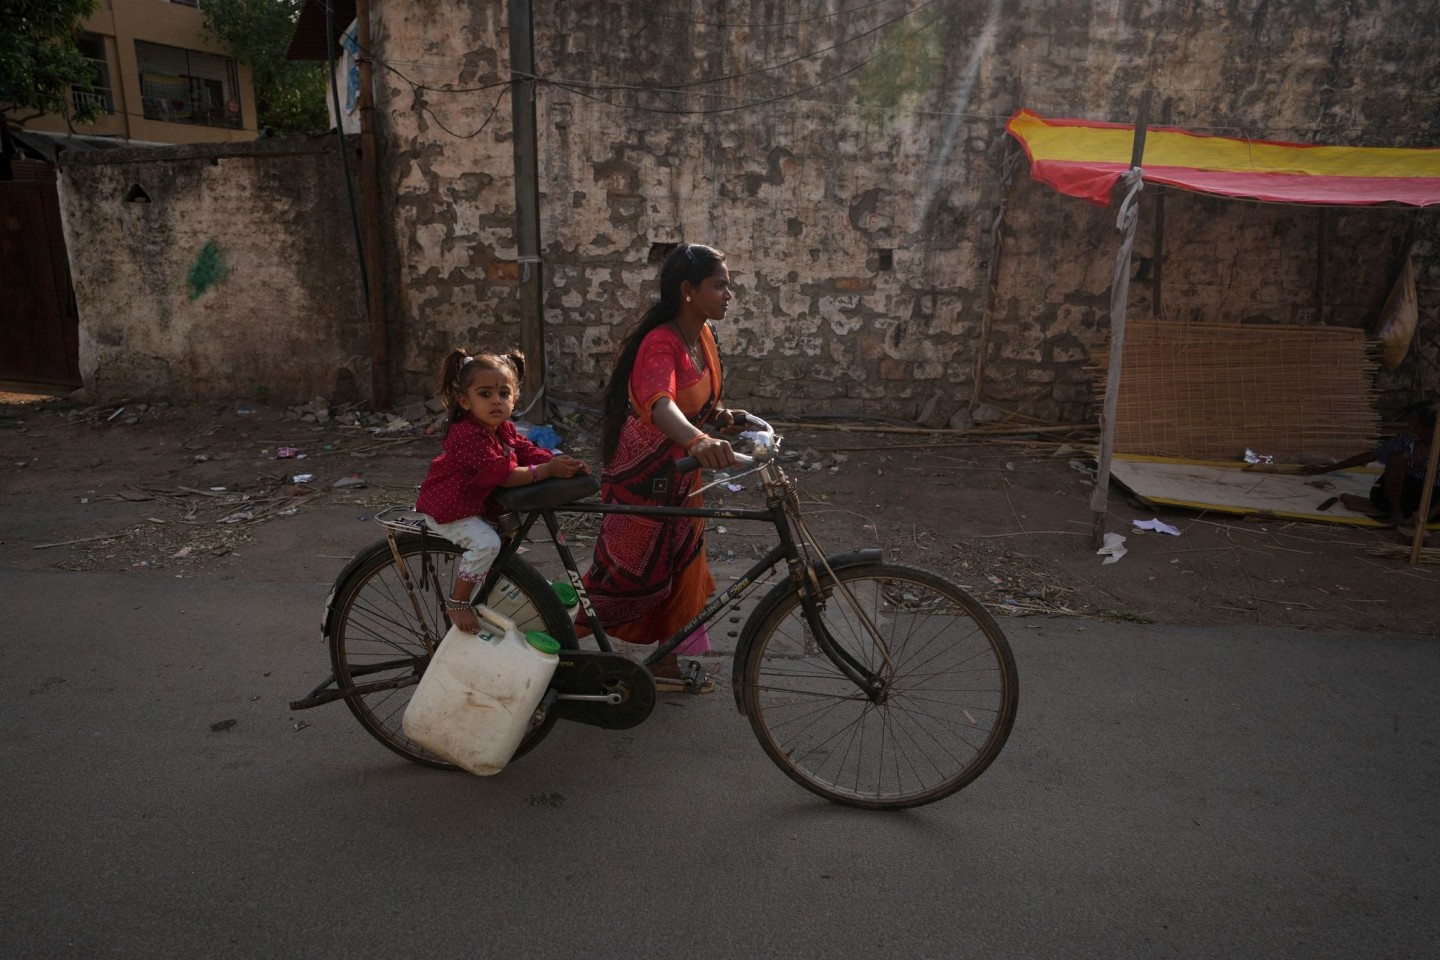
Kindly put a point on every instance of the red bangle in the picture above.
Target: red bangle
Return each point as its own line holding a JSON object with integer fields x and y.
{"x": 533, "y": 474}
{"x": 694, "y": 440}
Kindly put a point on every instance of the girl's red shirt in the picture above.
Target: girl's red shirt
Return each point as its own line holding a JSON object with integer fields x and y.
{"x": 472, "y": 463}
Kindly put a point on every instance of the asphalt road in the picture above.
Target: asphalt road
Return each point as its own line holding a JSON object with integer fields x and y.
{"x": 1166, "y": 793}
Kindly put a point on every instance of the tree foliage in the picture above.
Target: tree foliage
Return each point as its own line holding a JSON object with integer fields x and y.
{"x": 38, "y": 59}
{"x": 289, "y": 94}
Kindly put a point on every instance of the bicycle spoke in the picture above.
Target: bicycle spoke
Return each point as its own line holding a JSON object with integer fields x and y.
{"x": 939, "y": 721}
{"x": 382, "y": 628}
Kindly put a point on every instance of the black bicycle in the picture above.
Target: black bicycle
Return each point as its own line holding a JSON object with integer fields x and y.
{"x": 869, "y": 683}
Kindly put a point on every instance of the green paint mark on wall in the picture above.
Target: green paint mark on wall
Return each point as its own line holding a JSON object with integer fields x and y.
{"x": 209, "y": 269}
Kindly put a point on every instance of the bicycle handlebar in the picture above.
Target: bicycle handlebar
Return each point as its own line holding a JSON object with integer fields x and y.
{"x": 764, "y": 445}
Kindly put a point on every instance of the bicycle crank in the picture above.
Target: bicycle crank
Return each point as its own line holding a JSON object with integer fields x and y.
{"x": 601, "y": 689}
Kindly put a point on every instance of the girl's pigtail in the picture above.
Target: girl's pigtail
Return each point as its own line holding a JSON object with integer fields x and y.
{"x": 517, "y": 360}
{"x": 450, "y": 390}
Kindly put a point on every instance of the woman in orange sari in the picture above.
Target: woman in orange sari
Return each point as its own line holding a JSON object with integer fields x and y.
{"x": 650, "y": 575}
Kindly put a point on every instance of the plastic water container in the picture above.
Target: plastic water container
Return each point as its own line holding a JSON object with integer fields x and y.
{"x": 568, "y": 597}
{"x": 477, "y": 697}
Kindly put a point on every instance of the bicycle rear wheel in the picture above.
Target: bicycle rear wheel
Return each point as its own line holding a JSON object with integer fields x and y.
{"x": 943, "y": 720}
{"x": 376, "y": 635}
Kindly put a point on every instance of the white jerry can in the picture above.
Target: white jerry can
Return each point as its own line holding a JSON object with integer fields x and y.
{"x": 477, "y": 697}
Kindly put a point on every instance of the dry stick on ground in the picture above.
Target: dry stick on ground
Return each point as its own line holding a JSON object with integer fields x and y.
{"x": 1229, "y": 549}
{"x": 1013, "y": 514}
{"x": 215, "y": 493}
{"x": 972, "y": 469}
{"x": 1288, "y": 603}
{"x": 1031, "y": 533}
{"x": 1307, "y": 553}
{"x": 368, "y": 445}
{"x": 1019, "y": 606}
{"x": 1328, "y": 540}
{"x": 67, "y": 543}
{"x": 1397, "y": 552}
{"x": 869, "y": 521}
{"x": 1403, "y": 573}
{"x": 1092, "y": 585}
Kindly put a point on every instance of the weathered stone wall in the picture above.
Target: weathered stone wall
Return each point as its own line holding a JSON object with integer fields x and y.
{"x": 853, "y": 184}
{"x": 216, "y": 271}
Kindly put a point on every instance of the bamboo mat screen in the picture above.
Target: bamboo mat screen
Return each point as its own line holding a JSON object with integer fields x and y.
{"x": 1210, "y": 391}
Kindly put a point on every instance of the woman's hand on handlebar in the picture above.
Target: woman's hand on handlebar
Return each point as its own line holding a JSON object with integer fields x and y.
{"x": 731, "y": 422}
{"x": 712, "y": 452}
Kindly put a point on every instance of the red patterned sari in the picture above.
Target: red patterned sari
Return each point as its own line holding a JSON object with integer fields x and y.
{"x": 650, "y": 576}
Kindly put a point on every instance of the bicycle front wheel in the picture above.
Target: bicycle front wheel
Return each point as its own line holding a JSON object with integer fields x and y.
{"x": 376, "y": 629}
{"x": 946, "y": 713}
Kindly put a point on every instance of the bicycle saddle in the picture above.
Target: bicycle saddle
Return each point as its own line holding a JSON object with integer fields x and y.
{"x": 547, "y": 493}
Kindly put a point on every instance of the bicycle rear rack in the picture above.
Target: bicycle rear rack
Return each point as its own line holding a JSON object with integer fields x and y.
{"x": 402, "y": 520}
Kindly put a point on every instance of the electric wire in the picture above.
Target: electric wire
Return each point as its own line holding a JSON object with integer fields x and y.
{"x": 750, "y": 104}
{"x": 579, "y": 87}
{"x": 573, "y": 85}
{"x": 770, "y": 68}
{"x": 740, "y": 24}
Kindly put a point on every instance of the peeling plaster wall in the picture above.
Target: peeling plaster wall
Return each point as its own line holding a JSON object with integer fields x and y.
{"x": 215, "y": 271}
{"x": 855, "y": 213}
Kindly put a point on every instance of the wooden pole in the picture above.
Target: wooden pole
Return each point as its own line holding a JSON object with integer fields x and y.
{"x": 992, "y": 278}
{"x": 370, "y": 190}
{"x": 1424, "y": 512}
{"x": 527, "y": 203}
{"x": 1322, "y": 258}
{"x": 1158, "y": 254}
{"x": 1119, "y": 300}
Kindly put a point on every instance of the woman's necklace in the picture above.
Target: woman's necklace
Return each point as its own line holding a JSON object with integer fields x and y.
{"x": 697, "y": 356}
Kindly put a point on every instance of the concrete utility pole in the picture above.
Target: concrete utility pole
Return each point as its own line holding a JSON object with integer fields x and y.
{"x": 370, "y": 189}
{"x": 527, "y": 203}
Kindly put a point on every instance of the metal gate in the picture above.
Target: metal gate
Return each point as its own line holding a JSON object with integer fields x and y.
{"x": 39, "y": 328}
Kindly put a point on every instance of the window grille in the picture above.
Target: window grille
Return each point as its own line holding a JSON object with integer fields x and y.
{"x": 97, "y": 91}
{"x": 186, "y": 86}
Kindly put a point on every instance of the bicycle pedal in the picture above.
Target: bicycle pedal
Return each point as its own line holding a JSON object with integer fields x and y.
{"x": 694, "y": 675}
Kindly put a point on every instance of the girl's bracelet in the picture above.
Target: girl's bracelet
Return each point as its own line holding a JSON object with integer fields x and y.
{"x": 533, "y": 475}
{"x": 694, "y": 440}
{"x": 452, "y": 604}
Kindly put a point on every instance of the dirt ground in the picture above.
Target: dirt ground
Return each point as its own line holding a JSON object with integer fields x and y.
{"x": 212, "y": 491}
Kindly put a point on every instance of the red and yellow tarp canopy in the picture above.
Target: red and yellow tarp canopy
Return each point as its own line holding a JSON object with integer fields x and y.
{"x": 1084, "y": 158}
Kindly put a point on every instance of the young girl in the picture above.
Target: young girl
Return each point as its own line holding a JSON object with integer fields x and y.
{"x": 482, "y": 451}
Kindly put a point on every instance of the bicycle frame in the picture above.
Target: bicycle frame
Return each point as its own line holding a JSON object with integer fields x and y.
{"x": 788, "y": 549}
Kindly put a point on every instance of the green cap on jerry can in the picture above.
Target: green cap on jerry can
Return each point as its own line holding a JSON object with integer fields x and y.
{"x": 565, "y": 594}
{"x": 543, "y": 642}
